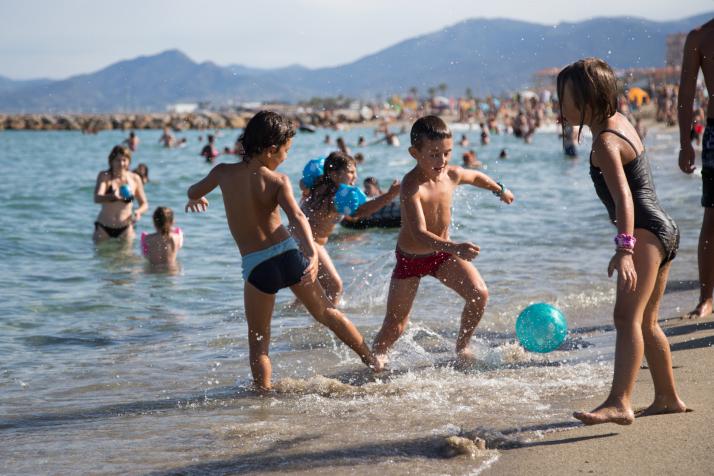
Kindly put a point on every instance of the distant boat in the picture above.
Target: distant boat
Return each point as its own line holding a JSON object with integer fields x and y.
{"x": 308, "y": 128}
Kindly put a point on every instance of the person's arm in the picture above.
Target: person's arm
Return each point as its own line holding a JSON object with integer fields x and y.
{"x": 140, "y": 197}
{"x": 197, "y": 192}
{"x": 416, "y": 223}
{"x": 481, "y": 180}
{"x": 372, "y": 206}
{"x": 687, "y": 89}
{"x": 299, "y": 226}
{"x": 608, "y": 159}
{"x": 100, "y": 191}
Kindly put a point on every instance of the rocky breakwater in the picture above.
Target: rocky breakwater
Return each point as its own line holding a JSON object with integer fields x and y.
{"x": 100, "y": 122}
{"x": 92, "y": 123}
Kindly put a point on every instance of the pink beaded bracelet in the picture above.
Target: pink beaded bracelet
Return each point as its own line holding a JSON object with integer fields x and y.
{"x": 625, "y": 241}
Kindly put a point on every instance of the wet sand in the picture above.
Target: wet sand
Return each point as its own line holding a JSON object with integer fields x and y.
{"x": 666, "y": 444}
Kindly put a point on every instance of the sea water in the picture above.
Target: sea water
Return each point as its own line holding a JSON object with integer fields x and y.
{"x": 110, "y": 367}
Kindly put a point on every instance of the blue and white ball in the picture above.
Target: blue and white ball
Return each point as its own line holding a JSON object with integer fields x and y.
{"x": 125, "y": 192}
{"x": 348, "y": 199}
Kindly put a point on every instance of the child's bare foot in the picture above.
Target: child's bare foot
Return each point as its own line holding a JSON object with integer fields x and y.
{"x": 663, "y": 408}
{"x": 381, "y": 361}
{"x": 465, "y": 358}
{"x": 607, "y": 413}
{"x": 703, "y": 309}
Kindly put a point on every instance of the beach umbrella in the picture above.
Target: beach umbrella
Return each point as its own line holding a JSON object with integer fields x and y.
{"x": 637, "y": 95}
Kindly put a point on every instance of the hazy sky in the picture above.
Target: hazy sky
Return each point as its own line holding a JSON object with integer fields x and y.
{"x": 56, "y": 39}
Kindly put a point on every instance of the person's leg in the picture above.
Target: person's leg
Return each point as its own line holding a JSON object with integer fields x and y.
{"x": 321, "y": 308}
{"x": 399, "y": 303}
{"x": 464, "y": 278}
{"x": 659, "y": 357}
{"x": 629, "y": 346}
{"x": 99, "y": 234}
{"x": 706, "y": 266}
{"x": 328, "y": 276}
{"x": 258, "y": 313}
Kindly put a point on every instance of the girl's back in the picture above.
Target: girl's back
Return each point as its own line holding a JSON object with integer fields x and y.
{"x": 162, "y": 249}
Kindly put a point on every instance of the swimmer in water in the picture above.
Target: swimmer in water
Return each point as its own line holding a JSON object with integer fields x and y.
{"x": 161, "y": 248}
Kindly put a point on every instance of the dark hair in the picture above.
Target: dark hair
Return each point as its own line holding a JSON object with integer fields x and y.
{"x": 429, "y": 127}
{"x": 264, "y": 130}
{"x": 142, "y": 170}
{"x": 163, "y": 219}
{"x": 594, "y": 85}
{"x": 211, "y": 138}
{"x": 323, "y": 190}
{"x": 117, "y": 151}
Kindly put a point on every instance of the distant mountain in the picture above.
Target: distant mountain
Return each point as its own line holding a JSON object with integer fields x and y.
{"x": 7, "y": 84}
{"x": 488, "y": 56}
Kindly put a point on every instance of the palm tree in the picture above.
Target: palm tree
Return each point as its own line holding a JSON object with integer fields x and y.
{"x": 469, "y": 93}
{"x": 432, "y": 92}
{"x": 413, "y": 91}
{"x": 442, "y": 88}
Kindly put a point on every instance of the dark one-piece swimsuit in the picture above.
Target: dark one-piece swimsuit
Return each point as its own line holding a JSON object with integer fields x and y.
{"x": 649, "y": 214}
{"x": 109, "y": 230}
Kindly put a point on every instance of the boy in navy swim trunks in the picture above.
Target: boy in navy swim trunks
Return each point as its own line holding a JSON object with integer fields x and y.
{"x": 253, "y": 194}
{"x": 424, "y": 247}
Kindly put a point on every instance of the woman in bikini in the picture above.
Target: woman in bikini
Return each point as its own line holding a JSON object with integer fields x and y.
{"x": 115, "y": 219}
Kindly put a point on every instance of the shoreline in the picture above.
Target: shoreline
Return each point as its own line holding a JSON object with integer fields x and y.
{"x": 665, "y": 444}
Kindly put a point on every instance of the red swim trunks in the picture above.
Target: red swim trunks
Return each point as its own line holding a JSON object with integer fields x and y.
{"x": 410, "y": 266}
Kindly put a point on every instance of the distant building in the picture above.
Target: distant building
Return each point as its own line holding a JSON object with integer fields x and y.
{"x": 182, "y": 108}
{"x": 675, "y": 47}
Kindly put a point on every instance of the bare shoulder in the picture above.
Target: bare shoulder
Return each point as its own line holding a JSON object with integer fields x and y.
{"x": 454, "y": 172}
{"x": 410, "y": 184}
{"x": 103, "y": 176}
{"x": 135, "y": 177}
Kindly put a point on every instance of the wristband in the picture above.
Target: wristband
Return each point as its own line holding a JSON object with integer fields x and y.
{"x": 625, "y": 241}
{"x": 500, "y": 192}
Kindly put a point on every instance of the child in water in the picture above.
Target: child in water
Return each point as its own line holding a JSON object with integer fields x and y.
{"x": 424, "y": 247}
{"x": 253, "y": 195}
{"x": 162, "y": 247}
{"x": 209, "y": 151}
{"x": 646, "y": 242}
{"x": 320, "y": 210}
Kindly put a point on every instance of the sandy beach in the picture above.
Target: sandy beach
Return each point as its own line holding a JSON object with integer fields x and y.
{"x": 667, "y": 444}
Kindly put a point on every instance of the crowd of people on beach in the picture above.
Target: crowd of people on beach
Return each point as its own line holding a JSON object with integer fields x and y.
{"x": 275, "y": 257}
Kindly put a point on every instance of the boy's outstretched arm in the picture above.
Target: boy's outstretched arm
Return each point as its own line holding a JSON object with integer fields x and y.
{"x": 416, "y": 223}
{"x": 197, "y": 192}
{"x": 300, "y": 227}
{"x": 685, "y": 99}
{"x": 372, "y": 206}
{"x": 481, "y": 180}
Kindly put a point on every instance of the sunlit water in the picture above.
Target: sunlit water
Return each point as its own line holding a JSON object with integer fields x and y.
{"x": 110, "y": 368}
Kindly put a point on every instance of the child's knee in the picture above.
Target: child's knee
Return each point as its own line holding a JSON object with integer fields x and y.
{"x": 328, "y": 315}
{"x": 478, "y": 296}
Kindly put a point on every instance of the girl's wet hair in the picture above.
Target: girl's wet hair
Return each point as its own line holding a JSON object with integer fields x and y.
{"x": 118, "y": 151}
{"x": 429, "y": 128}
{"x": 163, "y": 219}
{"x": 323, "y": 190}
{"x": 593, "y": 85}
{"x": 264, "y": 130}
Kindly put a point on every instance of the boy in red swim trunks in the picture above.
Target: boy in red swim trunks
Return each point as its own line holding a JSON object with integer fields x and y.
{"x": 424, "y": 247}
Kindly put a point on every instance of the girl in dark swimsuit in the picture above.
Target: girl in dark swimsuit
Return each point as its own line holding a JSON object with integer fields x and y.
{"x": 115, "y": 218}
{"x": 646, "y": 242}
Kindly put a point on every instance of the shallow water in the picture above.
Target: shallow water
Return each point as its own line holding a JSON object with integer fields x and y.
{"x": 108, "y": 367}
